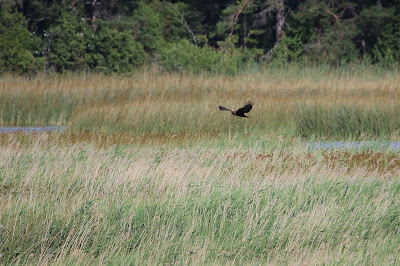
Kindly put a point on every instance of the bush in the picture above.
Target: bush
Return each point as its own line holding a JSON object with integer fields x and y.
{"x": 289, "y": 49}
{"x": 186, "y": 57}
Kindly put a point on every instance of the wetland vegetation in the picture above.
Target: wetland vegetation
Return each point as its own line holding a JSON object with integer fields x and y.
{"x": 149, "y": 171}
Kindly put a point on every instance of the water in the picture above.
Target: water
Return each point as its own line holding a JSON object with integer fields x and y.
{"x": 381, "y": 145}
{"x": 32, "y": 129}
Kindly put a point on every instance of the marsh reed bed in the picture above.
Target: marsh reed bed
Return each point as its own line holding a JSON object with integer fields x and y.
{"x": 347, "y": 121}
{"x": 293, "y": 100}
{"x": 150, "y": 172}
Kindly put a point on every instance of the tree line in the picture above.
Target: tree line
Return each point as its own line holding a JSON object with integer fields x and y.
{"x": 194, "y": 36}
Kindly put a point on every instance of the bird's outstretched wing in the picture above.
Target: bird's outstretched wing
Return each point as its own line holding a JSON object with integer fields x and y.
{"x": 245, "y": 109}
{"x": 223, "y": 108}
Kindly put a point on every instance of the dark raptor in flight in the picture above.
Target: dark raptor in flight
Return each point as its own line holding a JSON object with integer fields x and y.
{"x": 239, "y": 112}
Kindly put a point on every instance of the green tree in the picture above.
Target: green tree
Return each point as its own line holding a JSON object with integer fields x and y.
{"x": 147, "y": 27}
{"x": 380, "y": 35}
{"x": 371, "y": 21}
{"x": 118, "y": 35}
{"x": 20, "y": 50}
{"x": 337, "y": 45}
{"x": 69, "y": 40}
{"x": 113, "y": 51}
{"x": 387, "y": 47}
{"x": 41, "y": 14}
{"x": 327, "y": 31}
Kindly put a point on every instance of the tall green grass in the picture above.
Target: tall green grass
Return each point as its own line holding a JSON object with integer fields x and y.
{"x": 344, "y": 121}
{"x": 28, "y": 109}
{"x": 77, "y": 204}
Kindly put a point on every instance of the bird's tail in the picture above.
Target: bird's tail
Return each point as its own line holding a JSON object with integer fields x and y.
{"x": 223, "y": 108}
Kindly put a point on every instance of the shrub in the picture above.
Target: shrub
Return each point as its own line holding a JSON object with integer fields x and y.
{"x": 289, "y": 49}
{"x": 186, "y": 57}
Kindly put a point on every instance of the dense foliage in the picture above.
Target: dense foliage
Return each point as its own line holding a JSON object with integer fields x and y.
{"x": 193, "y": 36}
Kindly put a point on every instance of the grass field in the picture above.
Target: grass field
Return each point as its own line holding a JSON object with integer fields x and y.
{"x": 150, "y": 172}
{"x": 291, "y": 100}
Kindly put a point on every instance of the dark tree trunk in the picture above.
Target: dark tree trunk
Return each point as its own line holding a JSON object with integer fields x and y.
{"x": 93, "y": 14}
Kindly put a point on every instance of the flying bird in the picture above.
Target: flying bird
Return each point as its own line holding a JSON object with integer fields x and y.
{"x": 241, "y": 111}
